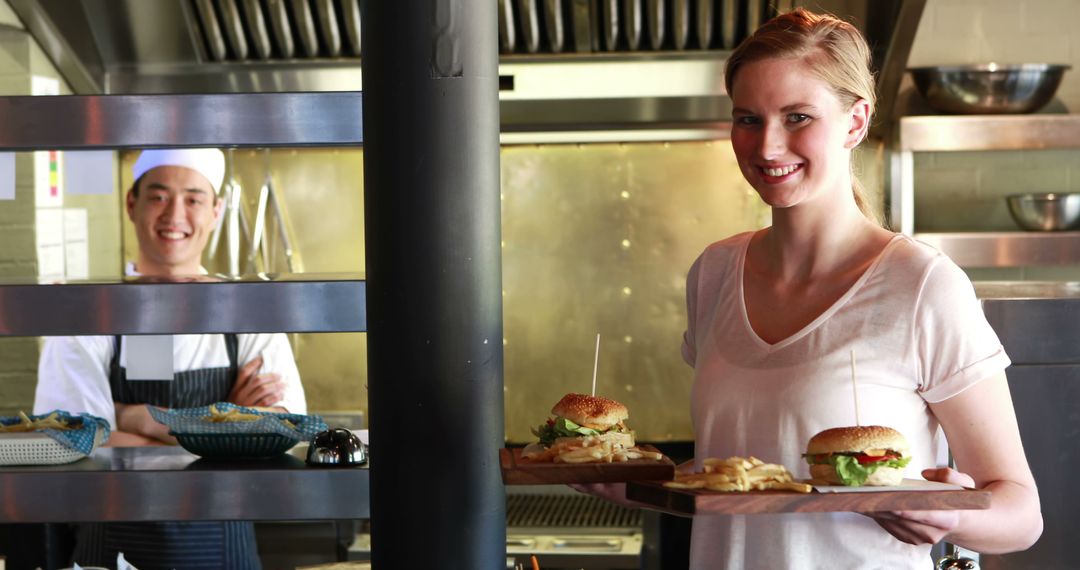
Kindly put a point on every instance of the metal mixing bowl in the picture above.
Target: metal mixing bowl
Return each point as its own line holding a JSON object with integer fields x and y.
{"x": 1045, "y": 212}
{"x": 988, "y": 88}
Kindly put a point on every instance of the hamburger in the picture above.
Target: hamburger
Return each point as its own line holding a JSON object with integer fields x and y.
{"x": 579, "y": 416}
{"x": 856, "y": 456}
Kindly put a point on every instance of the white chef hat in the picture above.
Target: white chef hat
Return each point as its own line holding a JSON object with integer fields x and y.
{"x": 210, "y": 162}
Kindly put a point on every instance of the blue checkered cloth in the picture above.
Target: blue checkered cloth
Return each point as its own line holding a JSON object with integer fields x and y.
{"x": 196, "y": 420}
{"x": 79, "y": 439}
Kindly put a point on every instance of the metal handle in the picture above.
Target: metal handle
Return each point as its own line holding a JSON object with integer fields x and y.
{"x": 610, "y": 17}
{"x": 279, "y": 23}
{"x": 507, "y": 39}
{"x": 632, "y": 23}
{"x": 680, "y": 20}
{"x": 704, "y": 23}
{"x": 530, "y": 25}
{"x": 553, "y": 24}
{"x": 582, "y": 15}
{"x": 260, "y": 37}
{"x": 655, "y": 17}
{"x": 328, "y": 24}
{"x": 214, "y": 39}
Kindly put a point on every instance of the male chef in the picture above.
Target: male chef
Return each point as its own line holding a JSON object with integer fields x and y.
{"x": 174, "y": 207}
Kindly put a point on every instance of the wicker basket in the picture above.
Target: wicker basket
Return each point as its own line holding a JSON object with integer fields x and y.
{"x": 35, "y": 448}
{"x": 235, "y": 445}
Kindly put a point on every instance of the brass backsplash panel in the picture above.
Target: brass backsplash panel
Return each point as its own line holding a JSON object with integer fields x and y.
{"x": 596, "y": 238}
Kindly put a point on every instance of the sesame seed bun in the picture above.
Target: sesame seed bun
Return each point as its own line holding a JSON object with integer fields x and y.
{"x": 857, "y": 440}
{"x": 592, "y": 412}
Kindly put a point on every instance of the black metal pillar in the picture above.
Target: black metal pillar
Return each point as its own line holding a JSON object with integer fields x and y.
{"x": 431, "y": 180}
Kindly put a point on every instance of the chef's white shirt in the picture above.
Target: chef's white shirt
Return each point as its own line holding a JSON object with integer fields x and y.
{"x": 73, "y": 373}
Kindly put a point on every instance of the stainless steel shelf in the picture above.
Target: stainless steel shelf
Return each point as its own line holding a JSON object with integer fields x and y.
{"x": 140, "y": 121}
{"x": 1007, "y": 249}
{"x": 280, "y": 303}
{"x": 168, "y": 483}
{"x": 989, "y": 132}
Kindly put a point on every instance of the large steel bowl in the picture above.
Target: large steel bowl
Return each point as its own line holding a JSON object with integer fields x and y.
{"x": 1045, "y": 212}
{"x": 988, "y": 88}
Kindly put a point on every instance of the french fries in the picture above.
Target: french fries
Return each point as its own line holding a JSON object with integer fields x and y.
{"x": 589, "y": 450}
{"x": 234, "y": 415}
{"x": 231, "y": 415}
{"x": 738, "y": 474}
{"x": 26, "y": 424}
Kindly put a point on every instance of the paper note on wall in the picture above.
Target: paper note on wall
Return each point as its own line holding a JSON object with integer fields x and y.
{"x": 49, "y": 233}
{"x": 7, "y": 178}
{"x": 76, "y": 244}
{"x": 89, "y": 172}
{"x": 149, "y": 357}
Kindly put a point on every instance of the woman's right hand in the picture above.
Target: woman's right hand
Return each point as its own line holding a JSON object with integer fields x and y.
{"x": 616, "y": 492}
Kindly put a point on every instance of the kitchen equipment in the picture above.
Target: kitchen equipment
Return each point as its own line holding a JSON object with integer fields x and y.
{"x": 755, "y": 14}
{"x": 655, "y": 17}
{"x": 336, "y": 447}
{"x": 704, "y": 17}
{"x": 632, "y": 17}
{"x": 565, "y": 529}
{"x": 530, "y": 25}
{"x": 988, "y": 88}
{"x": 680, "y": 23}
{"x": 729, "y": 23}
{"x": 507, "y": 38}
{"x": 609, "y": 18}
{"x": 583, "y": 15}
{"x": 553, "y": 25}
{"x": 1045, "y": 212}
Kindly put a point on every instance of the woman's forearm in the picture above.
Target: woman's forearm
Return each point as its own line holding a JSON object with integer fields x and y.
{"x": 1013, "y": 522}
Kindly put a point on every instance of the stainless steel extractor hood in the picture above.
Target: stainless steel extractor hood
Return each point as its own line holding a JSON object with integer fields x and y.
{"x": 567, "y": 66}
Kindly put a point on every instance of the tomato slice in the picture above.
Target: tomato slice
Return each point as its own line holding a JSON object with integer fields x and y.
{"x": 863, "y": 458}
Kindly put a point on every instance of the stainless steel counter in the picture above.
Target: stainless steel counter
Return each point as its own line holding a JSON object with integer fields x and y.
{"x": 1006, "y": 249}
{"x": 1039, "y": 325}
{"x": 1038, "y": 322}
{"x": 304, "y": 302}
{"x": 168, "y": 483}
{"x": 1028, "y": 290}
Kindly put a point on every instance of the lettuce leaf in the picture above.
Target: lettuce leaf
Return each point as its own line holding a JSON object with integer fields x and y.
{"x": 852, "y": 473}
{"x": 561, "y": 427}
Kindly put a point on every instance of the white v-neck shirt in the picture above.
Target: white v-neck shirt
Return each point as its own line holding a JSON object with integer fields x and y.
{"x": 919, "y": 336}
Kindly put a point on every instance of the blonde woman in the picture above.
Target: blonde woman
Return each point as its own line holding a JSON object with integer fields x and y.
{"x": 775, "y": 314}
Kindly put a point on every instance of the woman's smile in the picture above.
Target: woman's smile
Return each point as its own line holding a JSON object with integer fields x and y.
{"x": 775, "y": 174}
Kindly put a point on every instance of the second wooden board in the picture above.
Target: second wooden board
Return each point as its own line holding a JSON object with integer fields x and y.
{"x": 701, "y": 502}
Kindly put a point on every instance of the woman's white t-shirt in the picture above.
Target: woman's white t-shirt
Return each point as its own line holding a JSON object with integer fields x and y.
{"x": 919, "y": 336}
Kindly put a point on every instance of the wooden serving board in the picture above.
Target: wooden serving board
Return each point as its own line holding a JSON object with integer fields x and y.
{"x": 703, "y": 502}
{"x": 519, "y": 471}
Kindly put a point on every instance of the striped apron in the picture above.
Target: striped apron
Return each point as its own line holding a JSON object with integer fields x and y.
{"x": 209, "y": 545}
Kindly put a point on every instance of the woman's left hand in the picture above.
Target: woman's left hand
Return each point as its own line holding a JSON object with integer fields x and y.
{"x": 925, "y": 527}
